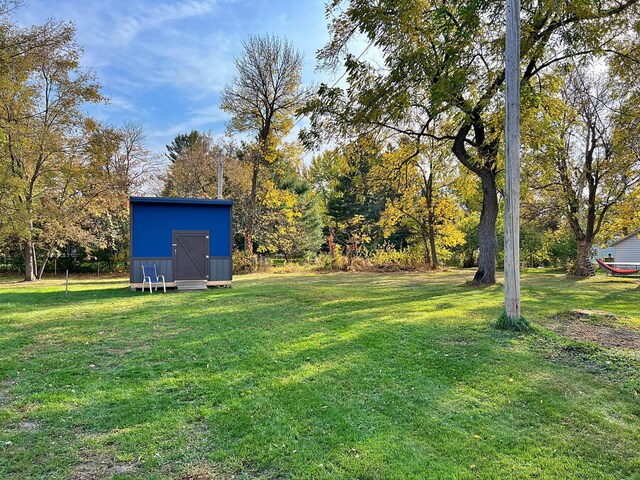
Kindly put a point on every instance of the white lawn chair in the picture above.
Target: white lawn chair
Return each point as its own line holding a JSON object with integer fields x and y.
{"x": 150, "y": 276}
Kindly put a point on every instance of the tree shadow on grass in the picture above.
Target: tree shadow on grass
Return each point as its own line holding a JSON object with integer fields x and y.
{"x": 325, "y": 383}
{"x": 47, "y": 297}
{"x": 358, "y": 394}
{"x": 246, "y": 403}
{"x": 156, "y": 378}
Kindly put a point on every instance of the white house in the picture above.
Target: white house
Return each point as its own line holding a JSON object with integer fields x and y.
{"x": 627, "y": 249}
{"x": 602, "y": 252}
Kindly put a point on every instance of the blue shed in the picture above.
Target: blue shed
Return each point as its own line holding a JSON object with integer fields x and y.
{"x": 188, "y": 239}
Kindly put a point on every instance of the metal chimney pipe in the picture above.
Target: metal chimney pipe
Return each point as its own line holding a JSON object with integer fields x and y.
{"x": 220, "y": 171}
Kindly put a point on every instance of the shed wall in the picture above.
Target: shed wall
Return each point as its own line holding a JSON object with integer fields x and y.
{"x": 152, "y": 225}
{"x": 219, "y": 268}
{"x": 628, "y": 250}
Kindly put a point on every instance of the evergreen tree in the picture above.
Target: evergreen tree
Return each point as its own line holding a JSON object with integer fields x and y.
{"x": 181, "y": 144}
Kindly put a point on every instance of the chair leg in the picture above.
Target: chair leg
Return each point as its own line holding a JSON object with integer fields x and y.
{"x": 164, "y": 286}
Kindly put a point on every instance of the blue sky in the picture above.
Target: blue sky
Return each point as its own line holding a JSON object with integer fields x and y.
{"x": 164, "y": 63}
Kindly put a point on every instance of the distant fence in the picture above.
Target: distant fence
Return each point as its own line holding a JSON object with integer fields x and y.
{"x": 58, "y": 266}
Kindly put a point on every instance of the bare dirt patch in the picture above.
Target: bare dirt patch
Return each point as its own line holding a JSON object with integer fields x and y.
{"x": 6, "y": 398}
{"x": 30, "y": 427}
{"x": 595, "y": 326}
{"x": 95, "y": 467}
{"x": 211, "y": 472}
{"x": 196, "y": 476}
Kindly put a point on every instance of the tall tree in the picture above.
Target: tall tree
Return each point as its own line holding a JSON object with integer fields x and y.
{"x": 42, "y": 124}
{"x": 421, "y": 198}
{"x": 262, "y": 99}
{"x": 591, "y": 146}
{"x": 181, "y": 144}
{"x": 356, "y": 200}
{"x": 290, "y": 221}
{"x": 623, "y": 219}
{"x": 194, "y": 173}
{"x": 120, "y": 154}
{"x": 446, "y": 59}
{"x": 118, "y": 160}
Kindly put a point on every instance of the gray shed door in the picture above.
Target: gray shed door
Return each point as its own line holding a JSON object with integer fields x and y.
{"x": 191, "y": 255}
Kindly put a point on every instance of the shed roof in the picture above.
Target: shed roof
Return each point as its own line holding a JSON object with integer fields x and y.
{"x": 614, "y": 243}
{"x": 187, "y": 201}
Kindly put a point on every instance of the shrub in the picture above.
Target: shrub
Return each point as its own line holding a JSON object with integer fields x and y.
{"x": 389, "y": 259}
{"x": 382, "y": 259}
{"x": 564, "y": 250}
{"x": 359, "y": 264}
{"x": 244, "y": 262}
{"x": 329, "y": 263}
{"x": 289, "y": 267}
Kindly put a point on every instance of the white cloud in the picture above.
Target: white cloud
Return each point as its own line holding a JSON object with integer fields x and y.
{"x": 118, "y": 25}
{"x": 150, "y": 46}
{"x": 165, "y": 64}
{"x": 196, "y": 63}
{"x": 123, "y": 104}
{"x": 197, "y": 119}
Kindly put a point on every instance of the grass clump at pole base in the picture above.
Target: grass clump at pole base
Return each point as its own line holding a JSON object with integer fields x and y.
{"x": 505, "y": 322}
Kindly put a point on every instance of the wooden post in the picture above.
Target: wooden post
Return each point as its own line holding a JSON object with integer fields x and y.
{"x": 66, "y": 289}
{"x": 512, "y": 163}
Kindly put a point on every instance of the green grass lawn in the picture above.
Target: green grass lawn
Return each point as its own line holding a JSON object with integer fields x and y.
{"x": 314, "y": 376}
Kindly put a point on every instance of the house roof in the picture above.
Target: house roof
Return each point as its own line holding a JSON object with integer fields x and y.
{"x": 614, "y": 243}
{"x": 187, "y": 201}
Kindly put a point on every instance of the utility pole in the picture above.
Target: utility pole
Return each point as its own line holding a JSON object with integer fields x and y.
{"x": 220, "y": 176}
{"x": 512, "y": 161}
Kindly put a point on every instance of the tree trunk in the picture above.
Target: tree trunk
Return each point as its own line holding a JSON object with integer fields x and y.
{"x": 486, "y": 170}
{"x": 430, "y": 240}
{"x": 486, "y": 274}
{"x": 432, "y": 243}
{"x": 425, "y": 242}
{"x": 248, "y": 240}
{"x": 27, "y": 254}
{"x": 44, "y": 264}
{"x": 34, "y": 257}
{"x": 248, "y": 237}
{"x": 583, "y": 267}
